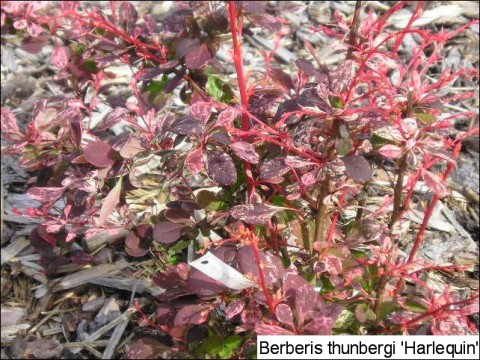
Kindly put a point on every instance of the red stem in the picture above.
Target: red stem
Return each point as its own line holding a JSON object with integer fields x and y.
{"x": 429, "y": 212}
{"x": 238, "y": 59}
{"x": 263, "y": 283}
{"x": 441, "y": 309}
{"x": 242, "y": 85}
{"x": 334, "y": 222}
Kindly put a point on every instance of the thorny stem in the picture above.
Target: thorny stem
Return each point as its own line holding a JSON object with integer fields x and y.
{"x": 242, "y": 84}
{"x": 429, "y": 212}
{"x": 325, "y": 185}
{"x": 397, "y": 208}
{"x": 238, "y": 59}
{"x": 334, "y": 221}
{"x": 442, "y": 309}
{"x": 263, "y": 283}
{"x": 402, "y": 168}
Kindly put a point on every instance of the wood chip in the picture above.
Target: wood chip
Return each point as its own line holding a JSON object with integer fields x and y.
{"x": 86, "y": 276}
{"x": 13, "y": 249}
{"x": 128, "y": 284}
{"x": 104, "y": 238}
{"x": 125, "y": 316}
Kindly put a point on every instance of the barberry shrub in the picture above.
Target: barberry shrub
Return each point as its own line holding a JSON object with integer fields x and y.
{"x": 270, "y": 170}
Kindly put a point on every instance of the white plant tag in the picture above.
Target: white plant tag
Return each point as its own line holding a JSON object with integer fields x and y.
{"x": 215, "y": 268}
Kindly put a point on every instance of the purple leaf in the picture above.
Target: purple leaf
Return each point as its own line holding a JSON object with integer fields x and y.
{"x": 281, "y": 77}
{"x": 193, "y": 314}
{"x": 45, "y": 194}
{"x": 220, "y": 137}
{"x": 174, "y": 280}
{"x": 284, "y": 314}
{"x": 34, "y": 45}
{"x": 178, "y": 216}
{"x": 110, "y": 202}
{"x": 264, "y": 329}
{"x": 245, "y": 151}
{"x": 197, "y": 57}
{"x": 255, "y": 213}
{"x": 221, "y": 168}
{"x": 203, "y": 285}
{"x": 306, "y": 66}
{"x": 166, "y": 233}
{"x": 357, "y": 167}
{"x": 76, "y": 130}
{"x": 272, "y": 265}
{"x": 99, "y": 154}
{"x": 195, "y": 161}
{"x": 227, "y": 117}
{"x": 201, "y": 111}
{"x": 288, "y": 106}
{"x": 234, "y": 308}
{"x": 226, "y": 253}
{"x": 300, "y": 295}
{"x": 128, "y": 15}
{"x": 165, "y": 314}
{"x": 273, "y": 169}
{"x": 187, "y": 125}
{"x": 319, "y": 325}
{"x": 183, "y": 46}
{"x": 136, "y": 246}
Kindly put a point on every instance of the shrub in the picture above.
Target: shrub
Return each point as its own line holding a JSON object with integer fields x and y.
{"x": 270, "y": 172}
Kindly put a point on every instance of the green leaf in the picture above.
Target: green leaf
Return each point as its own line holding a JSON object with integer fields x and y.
{"x": 386, "y": 308}
{"x": 327, "y": 285}
{"x": 382, "y": 137}
{"x": 212, "y": 346}
{"x": 99, "y": 31}
{"x": 241, "y": 177}
{"x": 233, "y": 341}
{"x": 78, "y": 49}
{"x": 343, "y": 146}
{"x": 219, "y": 90}
{"x": 426, "y": 118}
{"x": 208, "y": 200}
{"x": 91, "y": 66}
{"x": 346, "y": 323}
{"x": 286, "y": 216}
{"x": 415, "y": 306}
{"x": 226, "y": 353}
{"x": 336, "y": 102}
{"x": 364, "y": 313}
{"x": 157, "y": 86}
